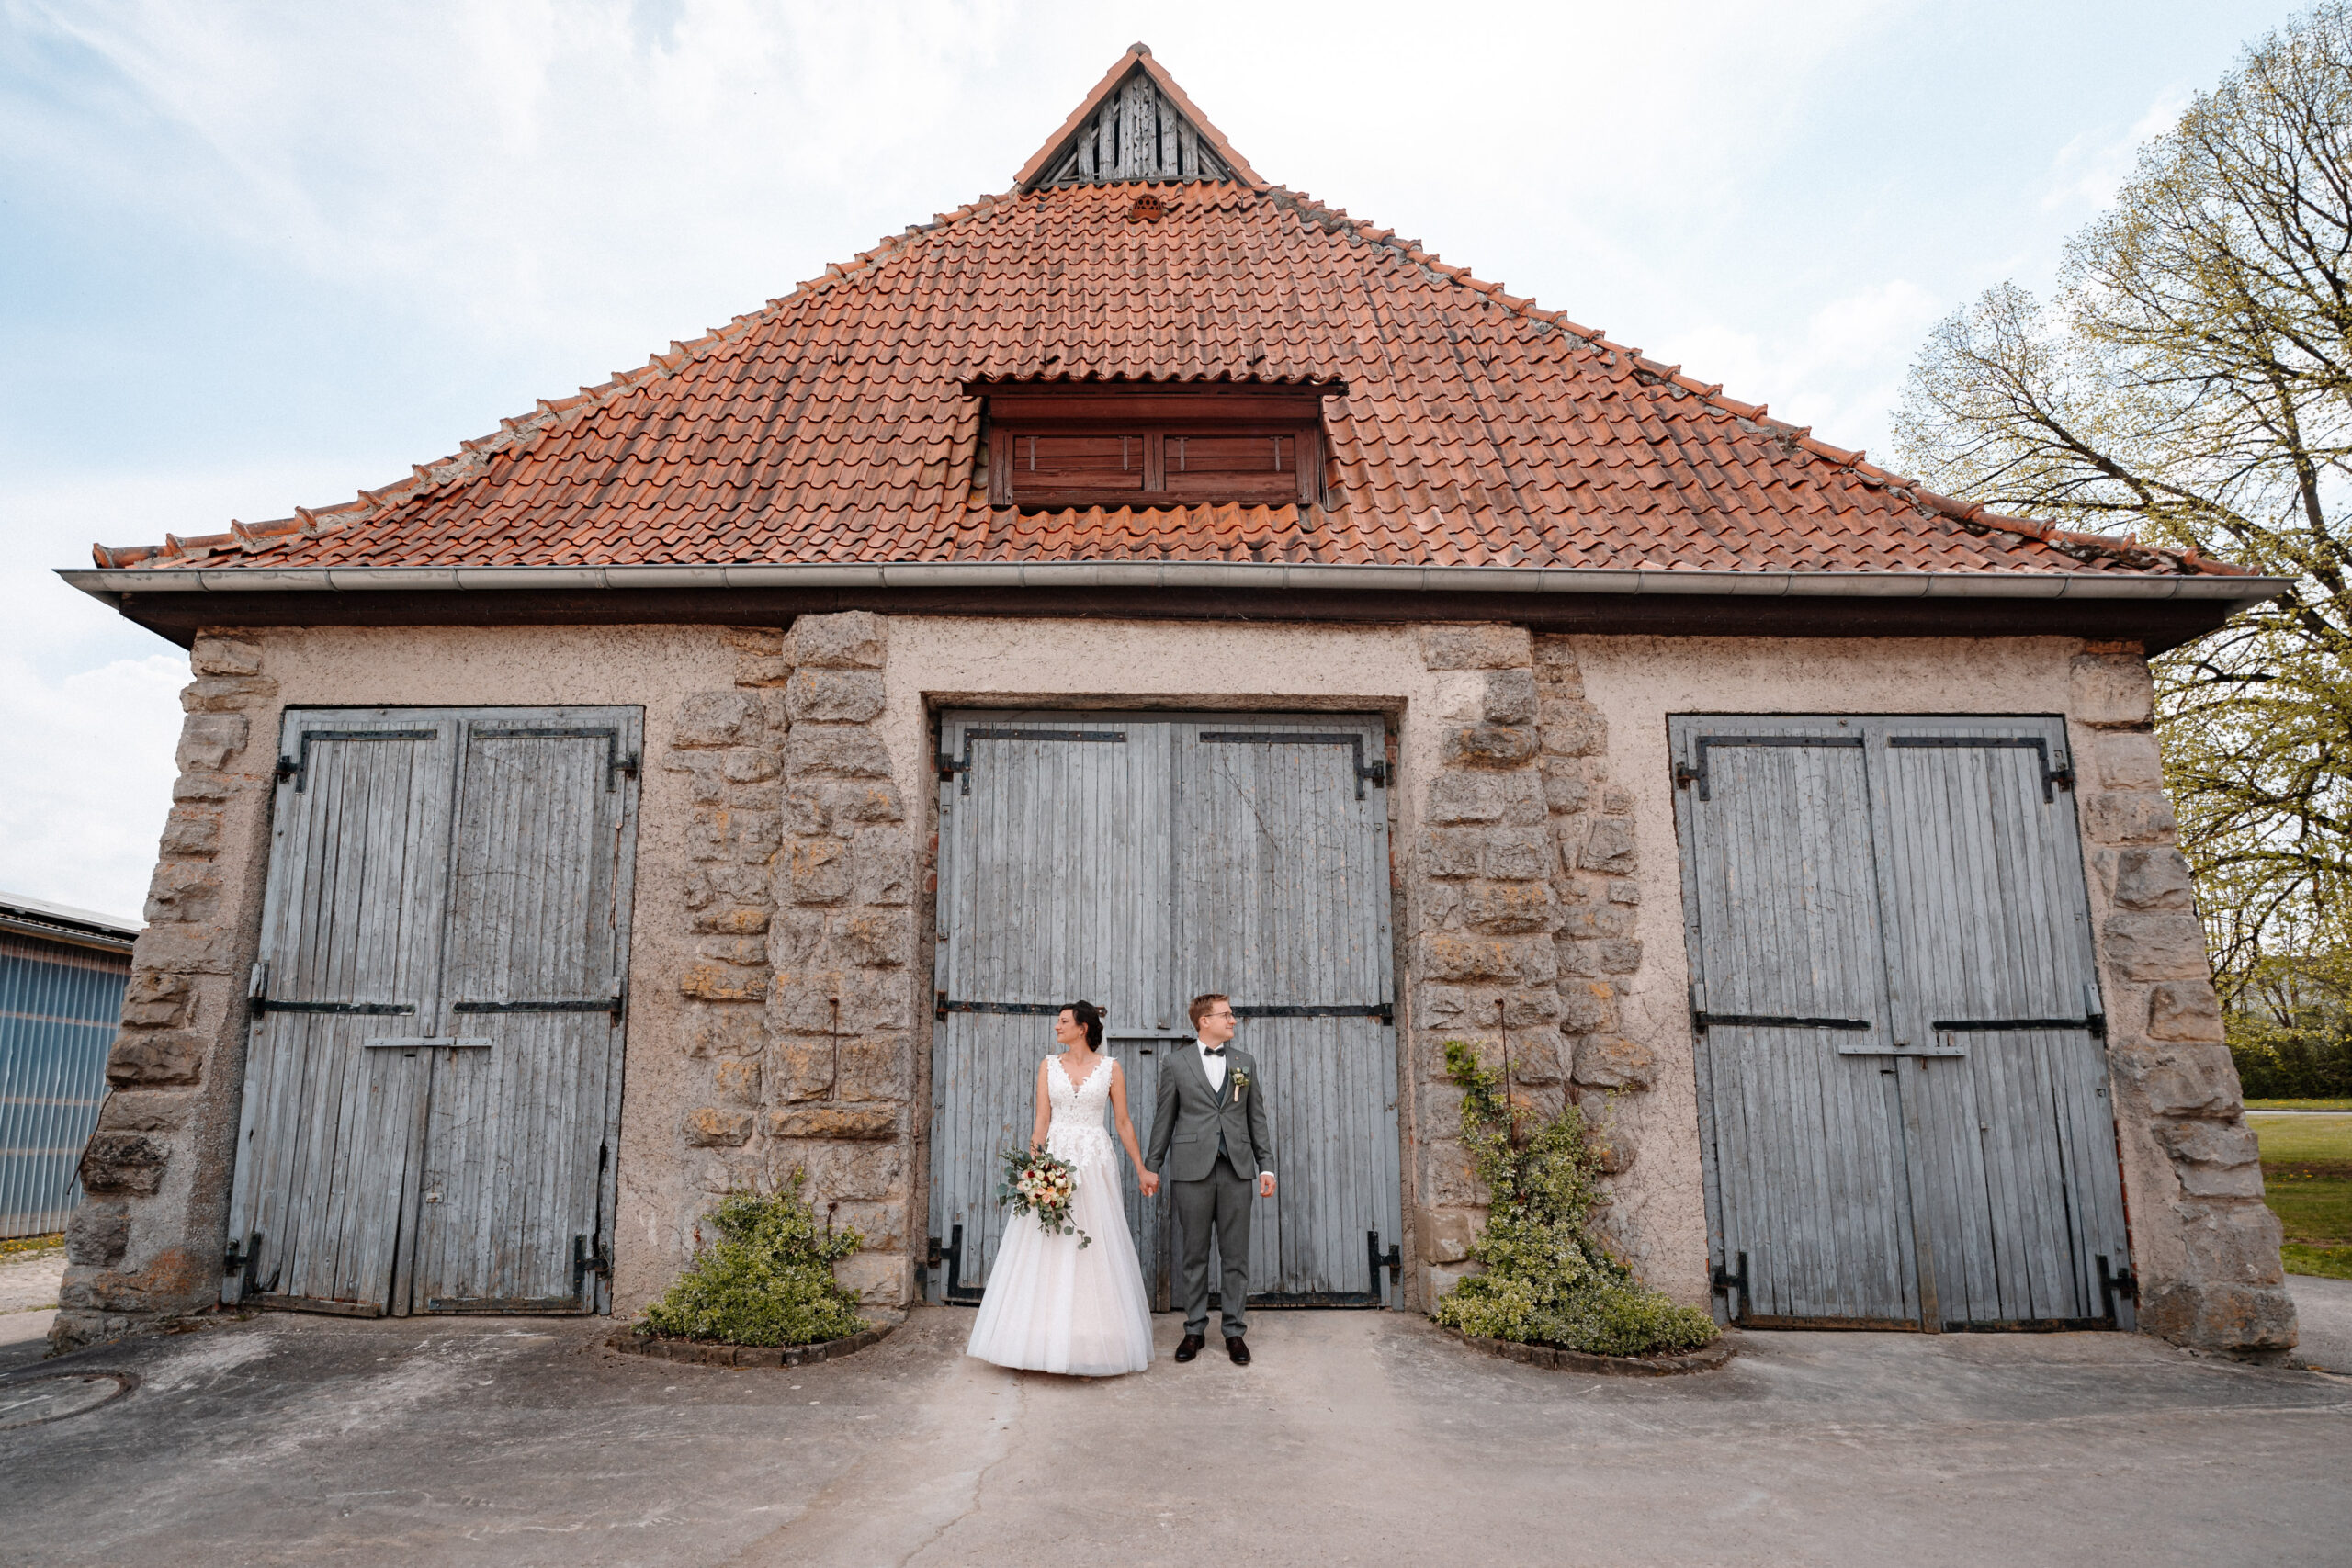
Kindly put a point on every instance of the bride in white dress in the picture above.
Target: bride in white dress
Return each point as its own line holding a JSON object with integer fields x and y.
{"x": 1052, "y": 1305}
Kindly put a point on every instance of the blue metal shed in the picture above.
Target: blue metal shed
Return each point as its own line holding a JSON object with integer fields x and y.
{"x": 62, "y": 972}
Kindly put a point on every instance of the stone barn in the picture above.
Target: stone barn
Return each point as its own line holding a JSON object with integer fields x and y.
{"x": 1147, "y": 581}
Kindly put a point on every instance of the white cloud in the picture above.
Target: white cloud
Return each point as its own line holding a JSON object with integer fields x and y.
{"x": 2088, "y": 170}
{"x": 89, "y": 765}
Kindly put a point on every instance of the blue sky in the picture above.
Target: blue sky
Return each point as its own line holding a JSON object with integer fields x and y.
{"x": 253, "y": 255}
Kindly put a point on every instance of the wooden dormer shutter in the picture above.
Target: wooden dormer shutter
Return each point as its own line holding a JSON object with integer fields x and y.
{"x": 1055, "y": 445}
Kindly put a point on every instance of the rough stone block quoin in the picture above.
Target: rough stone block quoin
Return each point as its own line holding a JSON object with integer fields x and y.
{"x": 148, "y": 1056}
{"x": 2184, "y": 1010}
{"x": 1612, "y": 1061}
{"x": 226, "y": 693}
{"x": 2129, "y": 817}
{"x": 1610, "y": 847}
{"x": 710, "y": 1127}
{"x": 2152, "y": 879}
{"x": 209, "y": 739}
{"x": 1475, "y": 646}
{"x": 718, "y": 719}
{"x": 835, "y": 696}
{"x": 1489, "y": 746}
{"x": 2227, "y": 1317}
{"x": 98, "y": 1235}
{"x": 2179, "y": 1080}
{"x": 1510, "y": 697}
{"x": 188, "y": 831}
{"x": 737, "y": 1080}
{"x": 2159, "y": 944}
{"x": 850, "y": 640}
{"x": 848, "y": 1122}
{"x": 846, "y": 752}
{"x": 1465, "y": 797}
{"x": 130, "y": 1163}
{"x": 2112, "y": 690}
{"x": 219, "y": 655}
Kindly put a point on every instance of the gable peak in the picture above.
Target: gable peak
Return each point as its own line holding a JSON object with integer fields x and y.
{"x": 1136, "y": 124}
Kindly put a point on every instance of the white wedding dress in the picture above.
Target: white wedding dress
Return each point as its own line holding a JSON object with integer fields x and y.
{"x": 1051, "y": 1305}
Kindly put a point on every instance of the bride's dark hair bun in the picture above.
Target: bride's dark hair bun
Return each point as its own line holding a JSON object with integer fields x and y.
{"x": 1090, "y": 1016}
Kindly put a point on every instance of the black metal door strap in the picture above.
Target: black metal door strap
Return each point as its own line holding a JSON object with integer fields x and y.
{"x": 615, "y": 764}
{"x": 1374, "y": 773}
{"x": 949, "y": 767}
{"x": 372, "y": 1010}
{"x": 1701, "y": 1020}
{"x": 612, "y": 1004}
{"x": 2095, "y": 1024}
{"x": 1724, "y": 1282}
{"x": 297, "y": 767}
{"x": 1384, "y": 1011}
{"x": 941, "y": 1006}
{"x": 1684, "y": 777}
{"x": 955, "y": 1295}
{"x": 2061, "y": 775}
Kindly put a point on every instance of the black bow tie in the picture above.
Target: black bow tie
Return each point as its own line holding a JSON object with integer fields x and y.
{"x": 1212, "y": 1049}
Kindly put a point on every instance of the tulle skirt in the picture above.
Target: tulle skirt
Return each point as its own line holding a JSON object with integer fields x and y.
{"x": 1052, "y": 1306}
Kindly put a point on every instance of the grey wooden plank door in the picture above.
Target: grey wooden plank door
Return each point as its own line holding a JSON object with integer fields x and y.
{"x": 1137, "y": 860}
{"x": 433, "y": 1085}
{"x": 517, "y": 1150}
{"x": 351, "y": 953}
{"x": 1282, "y": 902}
{"x": 1994, "y": 978}
{"x": 1952, "y": 842}
{"x": 1053, "y": 888}
{"x": 1789, "y": 966}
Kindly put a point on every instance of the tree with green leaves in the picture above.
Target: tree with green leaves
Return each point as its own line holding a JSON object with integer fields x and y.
{"x": 2191, "y": 381}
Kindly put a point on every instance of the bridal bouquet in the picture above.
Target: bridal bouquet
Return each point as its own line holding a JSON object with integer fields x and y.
{"x": 1038, "y": 1183}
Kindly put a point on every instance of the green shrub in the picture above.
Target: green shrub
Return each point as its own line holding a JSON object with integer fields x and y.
{"x": 768, "y": 1280}
{"x": 1548, "y": 1279}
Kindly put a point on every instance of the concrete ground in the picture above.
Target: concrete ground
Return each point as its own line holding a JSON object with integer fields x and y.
{"x": 27, "y": 1302}
{"x": 1355, "y": 1437}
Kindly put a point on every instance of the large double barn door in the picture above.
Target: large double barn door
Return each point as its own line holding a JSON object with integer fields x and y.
{"x": 433, "y": 1087}
{"x": 1135, "y": 861}
{"x": 1903, "y": 1091}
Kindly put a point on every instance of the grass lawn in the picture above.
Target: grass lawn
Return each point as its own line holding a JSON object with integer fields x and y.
{"x": 2307, "y": 1177}
{"x": 2299, "y": 1105}
{"x": 29, "y": 1245}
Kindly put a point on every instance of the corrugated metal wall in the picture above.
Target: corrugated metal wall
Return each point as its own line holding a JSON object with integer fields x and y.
{"x": 60, "y": 1006}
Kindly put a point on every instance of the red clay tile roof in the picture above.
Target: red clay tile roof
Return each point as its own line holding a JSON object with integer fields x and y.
{"x": 1477, "y": 429}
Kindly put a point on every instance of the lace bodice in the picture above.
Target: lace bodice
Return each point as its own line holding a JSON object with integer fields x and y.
{"x": 1077, "y": 1133}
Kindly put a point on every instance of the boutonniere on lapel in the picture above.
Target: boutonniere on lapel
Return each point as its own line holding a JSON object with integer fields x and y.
{"x": 1240, "y": 1082}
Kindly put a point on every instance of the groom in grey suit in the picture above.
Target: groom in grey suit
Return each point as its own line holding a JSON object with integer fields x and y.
{"x": 1208, "y": 1126}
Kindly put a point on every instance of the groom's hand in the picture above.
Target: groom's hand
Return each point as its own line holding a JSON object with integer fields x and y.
{"x": 1150, "y": 1184}
{"x": 1265, "y": 1184}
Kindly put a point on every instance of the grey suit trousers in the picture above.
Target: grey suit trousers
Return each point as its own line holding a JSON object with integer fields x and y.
{"x": 1219, "y": 1203}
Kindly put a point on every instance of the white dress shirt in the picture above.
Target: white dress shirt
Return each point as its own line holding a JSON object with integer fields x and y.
{"x": 1214, "y": 1068}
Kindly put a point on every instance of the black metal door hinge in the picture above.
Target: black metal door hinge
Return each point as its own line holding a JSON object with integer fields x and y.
{"x": 586, "y": 1261}
{"x": 1725, "y": 1281}
{"x": 1393, "y": 1260}
{"x": 2114, "y": 1282}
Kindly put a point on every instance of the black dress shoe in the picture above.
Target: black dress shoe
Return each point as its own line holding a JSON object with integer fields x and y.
{"x": 1237, "y": 1349}
{"x": 1189, "y": 1345}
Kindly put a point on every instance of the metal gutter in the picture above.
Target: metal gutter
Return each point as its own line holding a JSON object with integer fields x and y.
{"x": 109, "y": 582}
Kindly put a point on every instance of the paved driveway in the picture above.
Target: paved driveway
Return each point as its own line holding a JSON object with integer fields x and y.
{"x": 1356, "y": 1437}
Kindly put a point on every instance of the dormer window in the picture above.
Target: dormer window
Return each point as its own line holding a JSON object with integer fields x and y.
{"x": 1063, "y": 444}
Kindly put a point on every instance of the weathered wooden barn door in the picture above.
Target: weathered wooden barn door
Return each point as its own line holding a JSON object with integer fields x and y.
{"x": 1994, "y": 988}
{"x": 431, "y": 1089}
{"x": 1137, "y": 860}
{"x": 1808, "y": 1135}
{"x": 517, "y": 1175}
{"x": 1282, "y": 884}
{"x": 1053, "y": 888}
{"x": 1903, "y": 1095}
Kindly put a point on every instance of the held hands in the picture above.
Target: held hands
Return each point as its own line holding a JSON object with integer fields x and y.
{"x": 1265, "y": 1184}
{"x": 1150, "y": 1184}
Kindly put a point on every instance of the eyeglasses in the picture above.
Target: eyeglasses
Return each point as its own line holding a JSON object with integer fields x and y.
{"x": 1226, "y": 1012}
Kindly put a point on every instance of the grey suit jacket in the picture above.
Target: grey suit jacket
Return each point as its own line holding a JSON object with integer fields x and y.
{"x": 1187, "y": 1115}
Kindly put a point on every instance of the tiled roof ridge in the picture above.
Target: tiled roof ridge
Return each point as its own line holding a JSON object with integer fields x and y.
{"x": 1969, "y": 515}
{"x": 522, "y": 431}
